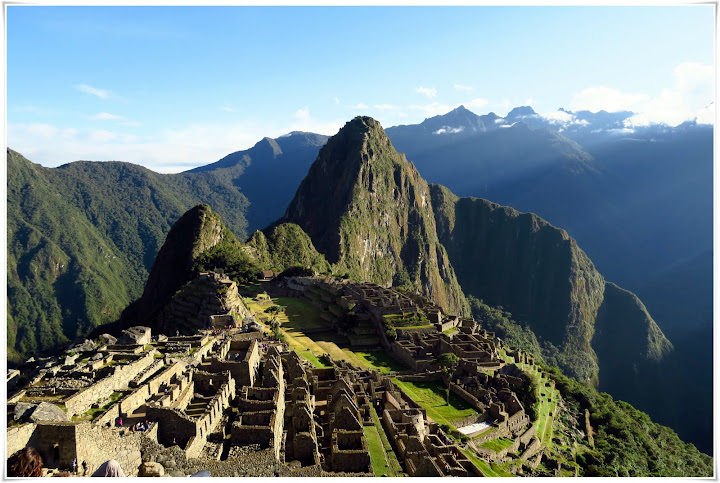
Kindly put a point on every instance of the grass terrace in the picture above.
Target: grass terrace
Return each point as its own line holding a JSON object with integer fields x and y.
{"x": 431, "y": 396}
{"x": 499, "y": 444}
{"x": 380, "y": 361}
{"x": 409, "y": 320}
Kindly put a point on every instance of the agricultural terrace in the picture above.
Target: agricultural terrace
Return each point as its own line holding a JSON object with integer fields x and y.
{"x": 310, "y": 336}
{"x": 431, "y": 396}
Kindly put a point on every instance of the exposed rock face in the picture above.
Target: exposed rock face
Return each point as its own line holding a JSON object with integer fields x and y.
{"x": 196, "y": 231}
{"x": 539, "y": 274}
{"x": 86, "y": 346}
{"x": 108, "y": 339}
{"x": 23, "y": 410}
{"x": 367, "y": 209}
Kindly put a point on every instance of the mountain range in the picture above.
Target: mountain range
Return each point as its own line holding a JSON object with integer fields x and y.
{"x": 61, "y": 219}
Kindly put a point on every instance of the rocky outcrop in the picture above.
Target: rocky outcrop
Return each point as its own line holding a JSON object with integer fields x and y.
{"x": 196, "y": 231}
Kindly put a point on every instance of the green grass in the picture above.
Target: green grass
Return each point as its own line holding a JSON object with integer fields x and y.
{"x": 491, "y": 469}
{"x": 431, "y": 396}
{"x": 380, "y": 361}
{"x": 498, "y": 444}
{"x": 377, "y": 453}
{"x": 315, "y": 361}
{"x": 390, "y": 457}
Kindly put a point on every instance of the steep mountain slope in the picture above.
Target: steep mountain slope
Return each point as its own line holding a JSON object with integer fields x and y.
{"x": 64, "y": 275}
{"x": 541, "y": 276}
{"x": 268, "y": 174}
{"x": 196, "y": 232}
{"x": 366, "y": 208}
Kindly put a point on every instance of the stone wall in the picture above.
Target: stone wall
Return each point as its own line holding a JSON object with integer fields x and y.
{"x": 18, "y": 437}
{"x": 122, "y": 375}
{"x": 97, "y": 445}
{"x": 467, "y": 397}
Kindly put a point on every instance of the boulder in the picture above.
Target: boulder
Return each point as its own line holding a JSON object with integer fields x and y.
{"x": 107, "y": 339}
{"x": 23, "y": 410}
{"x": 86, "y": 346}
{"x": 48, "y": 412}
{"x": 97, "y": 357}
{"x": 162, "y": 338}
{"x": 70, "y": 360}
{"x": 138, "y": 335}
{"x": 150, "y": 468}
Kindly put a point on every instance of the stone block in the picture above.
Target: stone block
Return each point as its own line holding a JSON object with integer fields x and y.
{"x": 150, "y": 468}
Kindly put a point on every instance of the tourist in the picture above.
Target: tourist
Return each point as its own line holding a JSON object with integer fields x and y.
{"x": 110, "y": 468}
{"x": 73, "y": 465}
{"x": 85, "y": 467}
{"x": 25, "y": 462}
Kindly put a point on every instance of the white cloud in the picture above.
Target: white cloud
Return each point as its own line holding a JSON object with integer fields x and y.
{"x": 171, "y": 150}
{"x": 226, "y": 108}
{"x": 432, "y": 109}
{"x": 690, "y": 98}
{"x": 302, "y": 114}
{"x": 605, "y": 98}
{"x": 337, "y": 101}
{"x": 101, "y": 93}
{"x": 101, "y": 136}
{"x": 427, "y": 91}
{"x": 461, "y": 87}
{"x": 449, "y": 130}
{"x": 106, "y": 116}
{"x": 360, "y": 105}
{"x": 706, "y": 115}
{"x": 478, "y": 102}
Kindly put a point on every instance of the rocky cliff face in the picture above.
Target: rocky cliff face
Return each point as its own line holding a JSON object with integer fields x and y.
{"x": 539, "y": 274}
{"x": 195, "y": 232}
{"x": 367, "y": 209}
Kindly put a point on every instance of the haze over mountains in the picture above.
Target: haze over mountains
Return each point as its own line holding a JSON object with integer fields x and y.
{"x": 608, "y": 189}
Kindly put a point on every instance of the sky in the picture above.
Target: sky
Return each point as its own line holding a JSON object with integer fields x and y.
{"x": 172, "y": 88}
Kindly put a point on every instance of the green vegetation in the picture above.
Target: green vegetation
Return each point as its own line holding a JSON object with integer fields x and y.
{"x": 229, "y": 256}
{"x": 360, "y": 179}
{"x": 391, "y": 461}
{"x": 315, "y": 361}
{"x": 498, "y": 444}
{"x": 287, "y": 246}
{"x": 83, "y": 237}
{"x": 627, "y": 442}
{"x": 447, "y": 362}
{"x": 380, "y": 361}
{"x": 377, "y": 453}
{"x": 431, "y": 396}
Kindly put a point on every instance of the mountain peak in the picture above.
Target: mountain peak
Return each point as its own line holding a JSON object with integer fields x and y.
{"x": 459, "y": 120}
{"x": 520, "y": 112}
{"x": 366, "y": 208}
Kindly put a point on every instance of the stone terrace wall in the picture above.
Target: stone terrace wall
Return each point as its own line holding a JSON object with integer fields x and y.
{"x": 18, "y": 437}
{"x": 467, "y": 397}
{"x": 96, "y": 445}
{"x": 123, "y": 374}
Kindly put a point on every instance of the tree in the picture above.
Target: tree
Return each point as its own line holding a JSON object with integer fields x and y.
{"x": 447, "y": 362}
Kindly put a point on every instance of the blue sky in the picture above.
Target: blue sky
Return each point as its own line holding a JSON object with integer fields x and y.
{"x": 176, "y": 87}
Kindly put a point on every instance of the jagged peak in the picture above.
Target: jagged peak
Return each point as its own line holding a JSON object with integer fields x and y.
{"x": 521, "y": 111}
